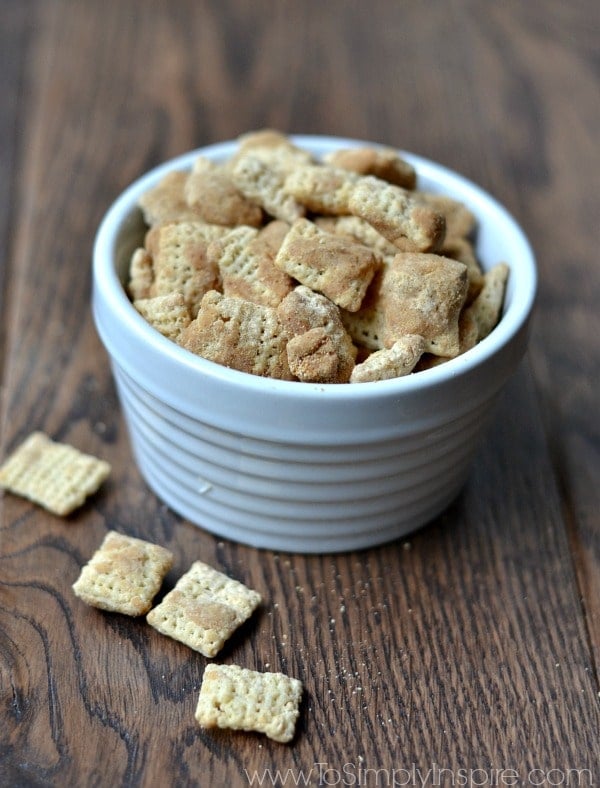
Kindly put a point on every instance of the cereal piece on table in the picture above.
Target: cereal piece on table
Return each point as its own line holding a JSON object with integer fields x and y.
{"x": 319, "y": 349}
{"x": 415, "y": 294}
{"x": 204, "y": 609}
{"x": 54, "y": 475}
{"x": 461, "y": 249}
{"x": 460, "y": 221}
{"x": 335, "y": 266}
{"x": 384, "y": 163}
{"x": 241, "y": 699}
{"x": 321, "y": 188}
{"x": 393, "y": 212}
{"x": 245, "y": 258}
{"x": 180, "y": 260}
{"x": 168, "y": 314}
{"x": 238, "y": 334}
{"x": 211, "y": 192}
{"x": 124, "y": 575}
{"x": 486, "y": 308}
{"x": 263, "y": 183}
{"x": 166, "y": 201}
{"x": 394, "y": 362}
{"x": 141, "y": 274}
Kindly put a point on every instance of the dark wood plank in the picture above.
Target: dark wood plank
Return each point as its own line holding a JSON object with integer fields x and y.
{"x": 470, "y": 645}
{"x": 15, "y": 36}
{"x": 548, "y": 150}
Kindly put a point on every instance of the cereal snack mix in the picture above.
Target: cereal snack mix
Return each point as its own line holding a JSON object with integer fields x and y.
{"x": 372, "y": 263}
{"x": 204, "y": 609}
{"x": 54, "y": 475}
{"x": 247, "y": 700}
{"x": 124, "y": 575}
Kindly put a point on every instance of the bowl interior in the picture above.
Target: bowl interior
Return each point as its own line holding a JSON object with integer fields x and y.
{"x": 498, "y": 238}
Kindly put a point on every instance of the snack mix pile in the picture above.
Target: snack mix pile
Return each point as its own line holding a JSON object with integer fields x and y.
{"x": 329, "y": 271}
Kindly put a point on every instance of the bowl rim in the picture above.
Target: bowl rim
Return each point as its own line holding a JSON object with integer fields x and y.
{"x": 108, "y": 286}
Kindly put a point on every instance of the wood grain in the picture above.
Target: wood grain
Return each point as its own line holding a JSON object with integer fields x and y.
{"x": 475, "y": 644}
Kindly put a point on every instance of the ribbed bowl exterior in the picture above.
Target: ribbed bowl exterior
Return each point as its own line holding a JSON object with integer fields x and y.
{"x": 260, "y": 492}
{"x": 300, "y": 467}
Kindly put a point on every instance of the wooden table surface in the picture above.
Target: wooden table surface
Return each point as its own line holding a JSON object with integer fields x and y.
{"x": 473, "y": 645}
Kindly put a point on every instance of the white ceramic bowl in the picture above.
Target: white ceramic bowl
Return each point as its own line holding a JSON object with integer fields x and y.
{"x": 297, "y": 466}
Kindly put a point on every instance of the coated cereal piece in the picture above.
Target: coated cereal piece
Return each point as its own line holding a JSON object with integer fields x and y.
{"x": 166, "y": 201}
{"x": 320, "y": 349}
{"x": 211, "y": 192}
{"x": 168, "y": 314}
{"x": 415, "y": 294}
{"x": 262, "y": 138}
{"x": 335, "y": 266}
{"x": 461, "y": 249}
{"x": 394, "y": 362}
{"x": 394, "y": 213}
{"x": 245, "y": 258}
{"x": 204, "y": 609}
{"x": 54, "y": 475}
{"x": 467, "y": 333}
{"x": 313, "y": 358}
{"x": 141, "y": 274}
{"x": 364, "y": 233}
{"x": 203, "y": 164}
{"x": 124, "y": 575}
{"x": 237, "y": 698}
{"x": 304, "y": 309}
{"x": 366, "y": 327}
{"x": 180, "y": 260}
{"x": 321, "y": 188}
{"x": 460, "y": 221}
{"x": 424, "y": 294}
{"x": 263, "y": 183}
{"x": 273, "y": 147}
{"x": 486, "y": 308}
{"x": 238, "y": 334}
{"x": 384, "y": 163}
